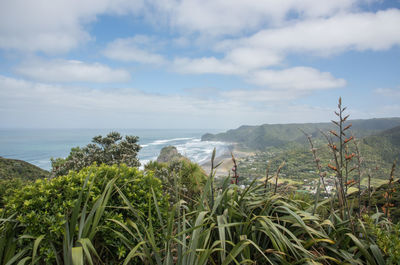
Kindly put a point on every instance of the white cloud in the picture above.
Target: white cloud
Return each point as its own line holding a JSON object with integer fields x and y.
{"x": 31, "y": 104}
{"x": 71, "y": 71}
{"x": 59, "y": 26}
{"x": 352, "y": 31}
{"x": 250, "y": 59}
{"x": 298, "y": 78}
{"x": 221, "y": 17}
{"x": 134, "y": 50}
{"x": 206, "y": 65}
{"x": 393, "y": 93}
{"x": 252, "y": 56}
{"x": 237, "y": 62}
{"x": 53, "y": 26}
{"x": 284, "y": 85}
{"x": 261, "y": 95}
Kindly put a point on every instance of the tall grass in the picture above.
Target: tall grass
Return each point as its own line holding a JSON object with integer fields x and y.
{"x": 236, "y": 226}
{"x": 244, "y": 226}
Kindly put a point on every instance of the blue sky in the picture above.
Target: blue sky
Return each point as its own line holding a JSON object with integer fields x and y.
{"x": 195, "y": 63}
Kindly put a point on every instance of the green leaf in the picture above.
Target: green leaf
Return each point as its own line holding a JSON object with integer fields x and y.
{"x": 77, "y": 256}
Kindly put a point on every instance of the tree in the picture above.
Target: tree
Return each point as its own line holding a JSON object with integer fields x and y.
{"x": 109, "y": 150}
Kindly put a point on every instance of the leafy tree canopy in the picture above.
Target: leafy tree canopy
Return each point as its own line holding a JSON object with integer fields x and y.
{"x": 111, "y": 149}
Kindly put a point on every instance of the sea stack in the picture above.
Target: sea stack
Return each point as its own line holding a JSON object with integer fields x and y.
{"x": 168, "y": 153}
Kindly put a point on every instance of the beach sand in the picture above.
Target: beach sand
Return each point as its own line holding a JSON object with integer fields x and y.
{"x": 227, "y": 164}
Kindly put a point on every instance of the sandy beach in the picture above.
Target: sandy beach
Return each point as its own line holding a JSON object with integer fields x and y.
{"x": 227, "y": 164}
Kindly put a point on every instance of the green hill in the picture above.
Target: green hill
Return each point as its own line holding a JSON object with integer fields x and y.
{"x": 387, "y": 143}
{"x": 278, "y": 135}
{"x": 12, "y": 168}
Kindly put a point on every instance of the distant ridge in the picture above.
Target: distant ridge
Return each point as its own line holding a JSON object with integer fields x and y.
{"x": 387, "y": 143}
{"x": 13, "y": 168}
{"x": 263, "y": 136}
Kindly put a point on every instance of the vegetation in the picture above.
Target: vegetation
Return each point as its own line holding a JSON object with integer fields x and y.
{"x": 46, "y": 209}
{"x": 190, "y": 176}
{"x": 247, "y": 226}
{"x": 387, "y": 143}
{"x": 378, "y": 153}
{"x": 12, "y": 168}
{"x": 172, "y": 213}
{"x": 265, "y": 136}
{"x": 16, "y": 173}
{"x": 109, "y": 150}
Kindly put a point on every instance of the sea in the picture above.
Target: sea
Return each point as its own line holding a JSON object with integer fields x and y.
{"x": 37, "y": 146}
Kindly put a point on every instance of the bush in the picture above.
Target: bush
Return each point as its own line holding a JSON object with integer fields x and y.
{"x": 8, "y": 187}
{"x": 181, "y": 173}
{"x": 43, "y": 207}
{"x": 387, "y": 237}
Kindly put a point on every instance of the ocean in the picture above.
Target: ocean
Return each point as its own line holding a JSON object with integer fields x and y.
{"x": 37, "y": 146}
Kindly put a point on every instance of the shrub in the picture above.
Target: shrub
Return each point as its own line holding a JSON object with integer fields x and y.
{"x": 189, "y": 177}
{"x": 43, "y": 207}
{"x": 386, "y": 236}
{"x": 8, "y": 186}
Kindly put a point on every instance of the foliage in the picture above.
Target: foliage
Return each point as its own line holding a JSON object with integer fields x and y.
{"x": 387, "y": 143}
{"x": 249, "y": 226}
{"x": 109, "y": 150}
{"x": 12, "y": 168}
{"x": 43, "y": 207}
{"x": 386, "y": 235}
{"x": 241, "y": 226}
{"x": 187, "y": 176}
{"x": 120, "y": 215}
{"x": 8, "y": 187}
{"x": 265, "y": 136}
{"x": 378, "y": 200}
{"x": 105, "y": 223}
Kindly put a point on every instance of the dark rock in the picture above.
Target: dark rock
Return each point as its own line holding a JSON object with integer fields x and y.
{"x": 168, "y": 153}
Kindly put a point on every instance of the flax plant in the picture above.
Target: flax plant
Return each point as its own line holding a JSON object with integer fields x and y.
{"x": 339, "y": 156}
{"x": 277, "y": 175}
{"x": 241, "y": 226}
{"x": 266, "y": 177}
{"x": 359, "y": 176}
{"x": 320, "y": 173}
{"x": 389, "y": 191}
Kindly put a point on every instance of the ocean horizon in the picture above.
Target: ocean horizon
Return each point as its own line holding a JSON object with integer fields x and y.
{"x": 38, "y": 146}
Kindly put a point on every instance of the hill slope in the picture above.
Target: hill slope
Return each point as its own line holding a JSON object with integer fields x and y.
{"x": 12, "y": 168}
{"x": 387, "y": 143}
{"x": 277, "y": 135}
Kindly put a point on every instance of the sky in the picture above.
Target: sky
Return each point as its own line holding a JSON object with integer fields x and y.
{"x": 196, "y": 63}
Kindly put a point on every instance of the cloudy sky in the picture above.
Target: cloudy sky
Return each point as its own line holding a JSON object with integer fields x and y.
{"x": 195, "y": 63}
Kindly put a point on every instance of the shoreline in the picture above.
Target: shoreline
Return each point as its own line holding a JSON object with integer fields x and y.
{"x": 227, "y": 164}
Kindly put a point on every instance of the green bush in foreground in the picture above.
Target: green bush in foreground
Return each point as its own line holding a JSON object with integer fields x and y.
{"x": 8, "y": 186}
{"x": 251, "y": 226}
{"x": 134, "y": 225}
{"x": 42, "y": 208}
{"x": 180, "y": 173}
{"x": 387, "y": 237}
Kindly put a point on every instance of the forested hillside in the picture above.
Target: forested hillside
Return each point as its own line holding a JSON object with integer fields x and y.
{"x": 278, "y": 135}
{"x": 387, "y": 143}
{"x": 378, "y": 152}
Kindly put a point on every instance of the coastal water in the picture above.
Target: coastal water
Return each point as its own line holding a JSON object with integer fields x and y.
{"x": 37, "y": 146}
